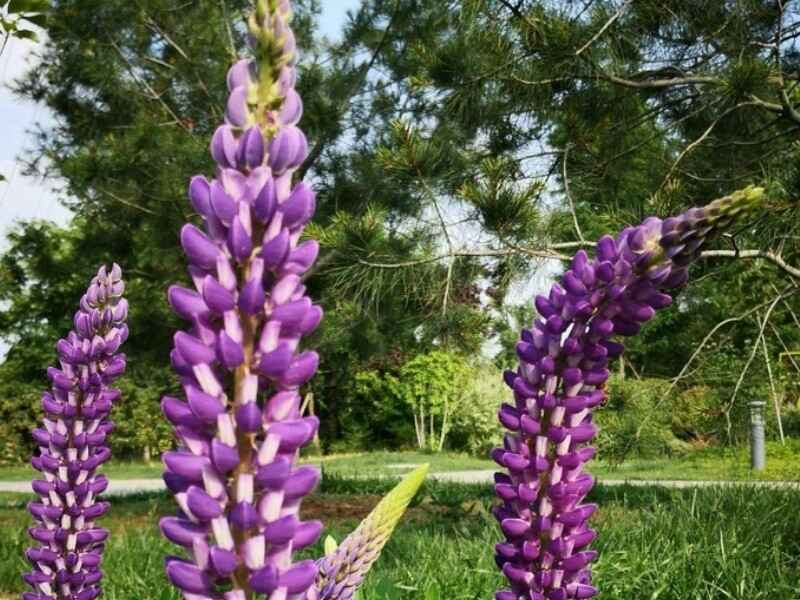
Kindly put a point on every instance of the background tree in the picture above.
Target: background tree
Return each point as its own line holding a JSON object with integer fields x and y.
{"x": 457, "y": 147}
{"x": 135, "y": 87}
{"x": 576, "y": 118}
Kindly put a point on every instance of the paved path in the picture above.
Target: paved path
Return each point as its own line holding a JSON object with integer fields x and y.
{"x": 486, "y": 477}
{"x": 132, "y": 486}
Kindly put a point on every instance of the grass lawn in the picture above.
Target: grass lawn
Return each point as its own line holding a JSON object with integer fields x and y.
{"x": 783, "y": 464}
{"x": 714, "y": 464}
{"x": 731, "y": 543}
{"x": 115, "y": 470}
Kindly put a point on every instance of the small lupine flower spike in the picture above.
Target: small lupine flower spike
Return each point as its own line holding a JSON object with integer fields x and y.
{"x": 72, "y": 445}
{"x": 342, "y": 571}
{"x": 239, "y": 425}
{"x": 563, "y": 367}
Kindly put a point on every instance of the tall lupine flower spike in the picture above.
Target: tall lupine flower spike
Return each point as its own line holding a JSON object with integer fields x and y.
{"x": 72, "y": 445}
{"x": 560, "y": 379}
{"x": 239, "y": 427}
{"x": 343, "y": 569}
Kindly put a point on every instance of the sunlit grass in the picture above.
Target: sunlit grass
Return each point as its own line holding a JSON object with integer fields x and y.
{"x": 655, "y": 543}
{"x": 712, "y": 464}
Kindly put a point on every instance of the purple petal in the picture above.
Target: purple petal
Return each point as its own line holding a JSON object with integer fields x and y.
{"x": 181, "y": 531}
{"x": 187, "y": 303}
{"x": 301, "y": 482}
{"x": 301, "y": 369}
{"x": 224, "y": 562}
{"x": 306, "y": 534}
{"x": 300, "y": 577}
{"x": 266, "y": 201}
{"x": 204, "y": 406}
{"x": 274, "y": 364}
{"x": 248, "y": 417}
{"x": 299, "y": 207}
{"x": 203, "y": 506}
{"x": 200, "y": 250}
{"x": 240, "y": 74}
{"x": 224, "y": 205}
{"x": 251, "y": 149}
{"x": 231, "y": 353}
{"x": 200, "y": 195}
{"x": 236, "y": 110}
{"x": 275, "y": 251}
{"x": 192, "y": 350}
{"x": 223, "y": 147}
{"x": 265, "y": 581}
{"x": 187, "y": 576}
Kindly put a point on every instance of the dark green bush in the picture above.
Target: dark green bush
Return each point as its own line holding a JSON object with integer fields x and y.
{"x": 635, "y": 422}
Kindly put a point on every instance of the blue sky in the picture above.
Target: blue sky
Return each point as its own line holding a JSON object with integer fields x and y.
{"x": 24, "y": 198}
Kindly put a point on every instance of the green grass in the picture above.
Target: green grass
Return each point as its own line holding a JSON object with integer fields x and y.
{"x": 705, "y": 544}
{"x": 713, "y": 464}
{"x": 115, "y": 469}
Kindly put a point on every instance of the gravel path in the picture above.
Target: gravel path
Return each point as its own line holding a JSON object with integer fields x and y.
{"x": 121, "y": 487}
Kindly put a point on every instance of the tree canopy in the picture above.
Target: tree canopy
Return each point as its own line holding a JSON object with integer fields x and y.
{"x": 458, "y": 147}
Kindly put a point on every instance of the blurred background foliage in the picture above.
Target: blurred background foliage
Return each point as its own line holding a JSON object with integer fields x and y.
{"x": 460, "y": 149}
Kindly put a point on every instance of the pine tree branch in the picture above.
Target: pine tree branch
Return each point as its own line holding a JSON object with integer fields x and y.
{"x": 151, "y": 93}
{"x": 322, "y": 142}
{"x": 658, "y": 84}
{"x": 551, "y": 252}
{"x": 568, "y": 194}
{"x": 767, "y": 255}
{"x": 620, "y": 11}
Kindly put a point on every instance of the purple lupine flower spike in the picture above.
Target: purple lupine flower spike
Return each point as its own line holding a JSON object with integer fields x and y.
{"x": 72, "y": 445}
{"x": 560, "y": 379}
{"x": 239, "y": 425}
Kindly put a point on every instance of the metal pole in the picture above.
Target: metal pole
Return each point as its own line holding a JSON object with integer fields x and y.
{"x": 758, "y": 453}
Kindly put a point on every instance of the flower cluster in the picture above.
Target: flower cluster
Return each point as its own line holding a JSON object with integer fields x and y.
{"x": 344, "y": 568}
{"x": 560, "y": 379}
{"x": 239, "y": 427}
{"x": 72, "y": 445}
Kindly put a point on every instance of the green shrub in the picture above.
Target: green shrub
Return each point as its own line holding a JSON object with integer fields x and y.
{"x": 376, "y": 416}
{"x": 790, "y": 418}
{"x": 141, "y": 430}
{"x": 635, "y": 422}
{"x": 697, "y": 414}
{"x": 476, "y": 429}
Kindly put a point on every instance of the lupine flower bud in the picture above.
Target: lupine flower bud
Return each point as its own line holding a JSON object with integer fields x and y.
{"x": 72, "y": 445}
{"x": 561, "y": 377}
{"x": 342, "y": 570}
{"x": 239, "y": 425}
